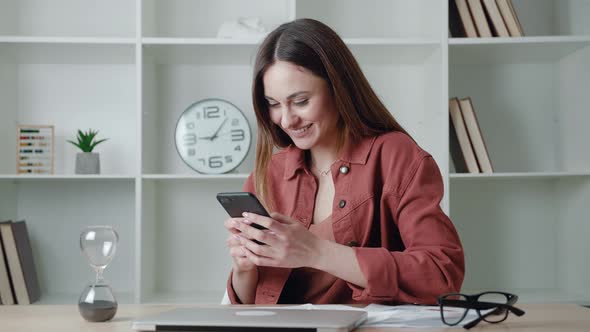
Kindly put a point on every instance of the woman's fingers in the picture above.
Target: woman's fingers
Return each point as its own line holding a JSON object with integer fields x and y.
{"x": 260, "y": 250}
{"x": 237, "y": 252}
{"x": 266, "y": 222}
{"x": 233, "y": 240}
{"x": 265, "y": 236}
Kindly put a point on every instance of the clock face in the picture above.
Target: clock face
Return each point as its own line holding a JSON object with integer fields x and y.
{"x": 212, "y": 136}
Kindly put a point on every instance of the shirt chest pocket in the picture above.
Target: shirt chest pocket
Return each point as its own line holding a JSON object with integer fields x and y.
{"x": 354, "y": 226}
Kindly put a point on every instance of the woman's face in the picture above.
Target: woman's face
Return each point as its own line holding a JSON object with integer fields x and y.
{"x": 302, "y": 105}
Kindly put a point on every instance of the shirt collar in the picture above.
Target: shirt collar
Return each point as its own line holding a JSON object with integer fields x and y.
{"x": 351, "y": 153}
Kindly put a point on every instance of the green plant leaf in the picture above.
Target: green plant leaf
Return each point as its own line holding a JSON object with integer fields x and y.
{"x": 86, "y": 140}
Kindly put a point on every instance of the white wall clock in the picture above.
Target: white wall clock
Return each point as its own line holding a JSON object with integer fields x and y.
{"x": 213, "y": 136}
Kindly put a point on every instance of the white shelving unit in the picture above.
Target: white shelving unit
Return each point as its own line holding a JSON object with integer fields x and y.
{"x": 524, "y": 228}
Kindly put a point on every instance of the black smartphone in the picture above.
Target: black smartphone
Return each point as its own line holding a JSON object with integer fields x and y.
{"x": 236, "y": 203}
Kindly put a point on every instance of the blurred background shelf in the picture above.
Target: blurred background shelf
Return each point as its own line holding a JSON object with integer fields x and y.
{"x": 129, "y": 68}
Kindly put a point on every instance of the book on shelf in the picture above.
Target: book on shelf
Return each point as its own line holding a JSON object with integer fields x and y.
{"x": 475, "y": 135}
{"x": 480, "y": 18}
{"x": 460, "y": 20}
{"x": 495, "y": 18}
{"x": 456, "y": 28}
{"x": 510, "y": 18}
{"x": 6, "y": 292}
{"x": 460, "y": 147}
{"x": 19, "y": 256}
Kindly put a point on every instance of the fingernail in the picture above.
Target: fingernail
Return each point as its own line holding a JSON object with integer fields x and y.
{"x": 271, "y": 232}
{"x": 246, "y": 221}
{"x": 245, "y": 214}
{"x": 236, "y": 236}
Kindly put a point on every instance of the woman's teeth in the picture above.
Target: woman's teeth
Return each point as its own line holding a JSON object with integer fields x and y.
{"x": 299, "y": 131}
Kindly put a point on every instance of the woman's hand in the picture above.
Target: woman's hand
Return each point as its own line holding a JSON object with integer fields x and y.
{"x": 241, "y": 263}
{"x": 287, "y": 242}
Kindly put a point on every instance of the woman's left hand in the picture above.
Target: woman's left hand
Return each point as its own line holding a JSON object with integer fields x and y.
{"x": 287, "y": 242}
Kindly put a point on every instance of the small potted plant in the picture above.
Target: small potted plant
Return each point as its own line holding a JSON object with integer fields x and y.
{"x": 87, "y": 162}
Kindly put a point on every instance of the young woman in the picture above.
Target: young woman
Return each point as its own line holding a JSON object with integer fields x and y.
{"x": 356, "y": 215}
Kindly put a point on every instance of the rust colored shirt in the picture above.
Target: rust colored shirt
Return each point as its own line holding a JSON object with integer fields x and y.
{"x": 306, "y": 284}
{"x": 387, "y": 206}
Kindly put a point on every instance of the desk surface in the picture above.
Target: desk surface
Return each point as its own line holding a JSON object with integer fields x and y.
{"x": 65, "y": 318}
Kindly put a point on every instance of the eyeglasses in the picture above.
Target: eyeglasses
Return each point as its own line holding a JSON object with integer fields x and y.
{"x": 492, "y": 307}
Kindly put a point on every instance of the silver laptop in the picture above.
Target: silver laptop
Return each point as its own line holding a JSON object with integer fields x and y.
{"x": 237, "y": 318}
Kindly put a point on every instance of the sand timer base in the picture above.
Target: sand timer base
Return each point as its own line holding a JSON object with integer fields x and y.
{"x": 97, "y": 303}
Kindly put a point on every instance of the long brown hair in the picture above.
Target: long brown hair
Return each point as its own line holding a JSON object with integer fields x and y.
{"x": 316, "y": 47}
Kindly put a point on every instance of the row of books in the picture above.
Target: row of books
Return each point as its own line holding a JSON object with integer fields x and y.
{"x": 18, "y": 277}
{"x": 467, "y": 147}
{"x": 483, "y": 18}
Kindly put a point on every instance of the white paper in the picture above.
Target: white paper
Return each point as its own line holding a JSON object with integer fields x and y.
{"x": 378, "y": 315}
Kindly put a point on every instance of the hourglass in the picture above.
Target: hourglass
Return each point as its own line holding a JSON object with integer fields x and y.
{"x": 97, "y": 302}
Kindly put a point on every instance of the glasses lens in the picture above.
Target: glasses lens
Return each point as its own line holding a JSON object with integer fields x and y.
{"x": 452, "y": 313}
{"x": 494, "y": 315}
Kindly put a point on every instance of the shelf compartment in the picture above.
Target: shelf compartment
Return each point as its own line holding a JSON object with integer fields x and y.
{"x": 186, "y": 18}
{"x": 524, "y": 234}
{"x": 533, "y": 115}
{"x": 68, "y": 18}
{"x": 553, "y": 17}
{"x": 72, "y": 86}
{"x": 183, "y": 246}
{"x": 173, "y": 78}
{"x": 376, "y": 18}
{"x": 56, "y": 213}
{"x": 176, "y": 76}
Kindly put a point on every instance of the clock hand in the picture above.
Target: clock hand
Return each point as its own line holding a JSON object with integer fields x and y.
{"x": 218, "y": 129}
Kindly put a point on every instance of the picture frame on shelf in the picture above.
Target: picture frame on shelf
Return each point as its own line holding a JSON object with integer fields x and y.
{"x": 34, "y": 149}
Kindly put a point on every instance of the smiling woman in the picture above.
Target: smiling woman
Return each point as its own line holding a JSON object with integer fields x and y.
{"x": 354, "y": 201}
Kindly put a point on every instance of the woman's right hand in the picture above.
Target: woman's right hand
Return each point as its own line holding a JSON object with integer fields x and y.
{"x": 241, "y": 263}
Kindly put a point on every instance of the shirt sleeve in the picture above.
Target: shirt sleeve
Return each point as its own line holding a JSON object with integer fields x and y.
{"x": 432, "y": 262}
{"x": 233, "y": 297}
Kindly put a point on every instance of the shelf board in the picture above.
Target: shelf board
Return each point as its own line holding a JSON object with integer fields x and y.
{"x": 239, "y": 176}
{"x": 520, "y": 40}
{"x": 514, "y": 49}
{"x": 516, "y": 175}
{"x": 199, "y": 41}
{"x": 67, "y": 51}
{"x": 393, "y": 41}
{"x": 66, "y": 40}
{"x": 28, "y": 177}
{"x": 257, "y": 41}
{"x": 242, "y": 51}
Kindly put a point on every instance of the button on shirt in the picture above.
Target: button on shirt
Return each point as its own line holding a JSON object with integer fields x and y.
{"x": 387, "y": 208}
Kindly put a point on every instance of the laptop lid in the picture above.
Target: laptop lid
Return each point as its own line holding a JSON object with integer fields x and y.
{"x": 232, "y": 318}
